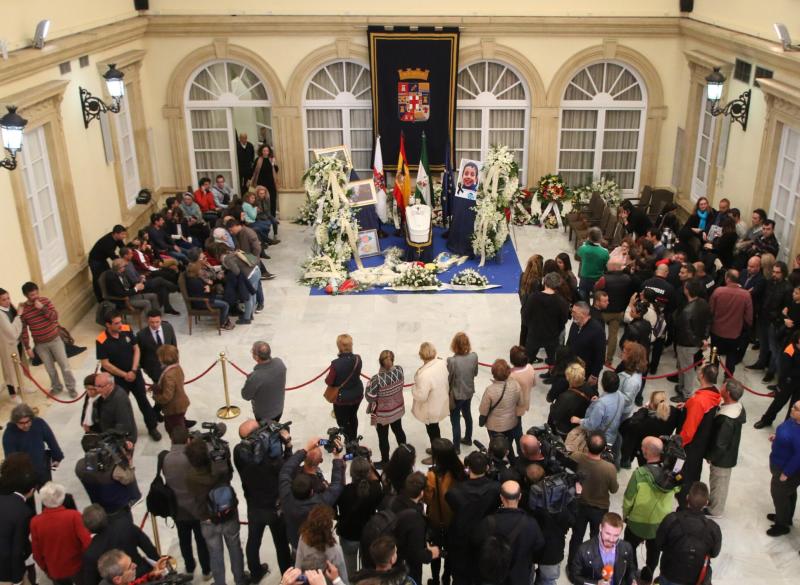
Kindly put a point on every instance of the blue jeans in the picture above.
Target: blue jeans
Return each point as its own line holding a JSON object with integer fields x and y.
{"x": 215, "y": 534}
{"x": 261, "y": 228}
{"x": 223, "y": 307}
{"x": 585, "y": 287}
{"x": 249, "y": 305}
{"x": 350, "y": 552}
{"x": 462, "y": 407}
{"x": 260, "y": 293}
{"x": 547, "y": 574}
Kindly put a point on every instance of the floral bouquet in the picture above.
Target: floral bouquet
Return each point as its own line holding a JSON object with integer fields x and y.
{"x": 499, "y": 188}
{"x": 469, "y": 277}
{"x": 417, "y": 277}
{"x": 318, "y": 271}
{"x": 555, "y": 198}
{"x": 606, "y": 188}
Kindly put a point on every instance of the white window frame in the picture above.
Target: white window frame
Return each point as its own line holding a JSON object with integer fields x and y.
{"x": 344, "y": 101}
{"x": 700, "y": 185}
{"x": 224, "y": 101}
{"x": 485, "y": 102}
{"x": 52, "y": 252}
{"x": 602, "y": 103}
{"x": 127, "y": 154}
{"x": 788, "y": 218}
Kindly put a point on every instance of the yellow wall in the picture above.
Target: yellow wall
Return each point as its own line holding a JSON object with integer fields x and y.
{"x": 754, "y": 18}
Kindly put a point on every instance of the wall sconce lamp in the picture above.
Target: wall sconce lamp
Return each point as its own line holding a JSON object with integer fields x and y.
{"x": 93, "y": 106}
{"x": 737, "y": 109}
{"x": 11, "y": 127}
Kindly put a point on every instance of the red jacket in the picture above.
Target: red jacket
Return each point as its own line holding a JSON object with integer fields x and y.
{"x": 697, "y": 406}
{"x": 205, "y": 199}
{"x": 59, "y": 539}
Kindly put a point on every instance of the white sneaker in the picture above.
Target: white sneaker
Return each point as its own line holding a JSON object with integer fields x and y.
{"x": 16, "y": 399}
{"x": 28, "y": 390}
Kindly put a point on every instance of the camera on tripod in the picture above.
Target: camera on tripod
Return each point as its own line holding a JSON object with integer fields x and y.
{"x": 212, "y": 434}
{"x": 104, "y": 451}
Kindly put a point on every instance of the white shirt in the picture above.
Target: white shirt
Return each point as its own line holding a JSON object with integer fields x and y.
{"x": 156, "y": 333}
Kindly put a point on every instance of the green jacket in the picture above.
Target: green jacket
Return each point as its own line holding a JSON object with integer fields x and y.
{"x": 594, "y": 258}
{"x": 646, "y": 504}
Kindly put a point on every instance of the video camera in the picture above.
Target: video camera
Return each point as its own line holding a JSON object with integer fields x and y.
{"x": 556, "y": 456}
{"x": 264, "y": 443}
{"x": 104, "y": 451}
{"x": 173, "y": 578}
{"x": 212, "y": 435}
{"x": 495, "y": 465}
{"x": 668, "y": 474}
{"x": 352, "y": 448}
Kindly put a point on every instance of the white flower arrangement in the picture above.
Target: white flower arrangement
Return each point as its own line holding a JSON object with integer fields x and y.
{"x": 317, "y": 271}
{"x": 417, "y": 276}
{"x": 608, "y": 189}
{"x": 499, "y": 189}
{"x": 469, "y": 277}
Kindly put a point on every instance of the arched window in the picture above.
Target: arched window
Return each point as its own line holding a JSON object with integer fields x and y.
{"x": 223, "y": 99}
{"x": 338, "y": 110}
{"x": 493, "y": 109}
{"x": 602, "y": 126}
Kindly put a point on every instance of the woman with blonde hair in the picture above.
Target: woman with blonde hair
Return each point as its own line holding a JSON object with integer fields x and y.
{"x": 656, "y": 418}
{"x": 529, "y": 281}
{"x": 344, "y": 377}
{"x": 385, "y": 403}
{"x": 571, "y": 402}
{"x": 462, "y": 368}
{"x": 431, "y": 393}
{"x": 169, "y": 391}
{"x": 317, "y": 546}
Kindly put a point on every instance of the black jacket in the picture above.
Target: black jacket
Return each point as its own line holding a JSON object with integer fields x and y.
{"x": 115, "y": 413}
{"x": 756, "y": 284}
{"x": 121, "y": 534}
{"x": 15, "y": 545}
{"x": 680, "y": 532}
{"x": 619, "y": 286}
{"x": 353, "y": 511}
{"x": 665, "y": 292}
{"x": 589, "y": 344}
{"x": 568, "y": 404}
{"x": 409, "y": 532}
{"x": 260, "y": 482}
{"x": 105, "y": 249}
{"x": 554, "y": 527}
{"x": 587, "y": 564}
{"x": 470, "y": 501}
{"x": 693, "y": 323}
{"x": 777, "y": 295}
{"x": 726, "y": 434}
{"x": 522, "y": 534}
{"x": 545, "y": 316}
{"x": 638, "y": 331}
{"x": 244, "y": 159}
{"x": 118, "y": 285}
{"x": 638, "y": 223}
{"x": 148, "y": 348}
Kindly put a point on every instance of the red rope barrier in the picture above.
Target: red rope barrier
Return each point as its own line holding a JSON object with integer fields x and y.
{"x": 46, "y": 393}
{"x": 750, "y": 390}
{"x": 675, "y": 373}
{"x": 207, "y": 370}
{"x": 290, "y": 388}
{"x": 144, "y": 519}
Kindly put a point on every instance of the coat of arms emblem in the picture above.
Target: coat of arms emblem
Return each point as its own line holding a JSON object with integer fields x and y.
{"x": 413, "y": 95}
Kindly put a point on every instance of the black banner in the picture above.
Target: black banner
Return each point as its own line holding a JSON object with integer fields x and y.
{"x": 414, "y": 91}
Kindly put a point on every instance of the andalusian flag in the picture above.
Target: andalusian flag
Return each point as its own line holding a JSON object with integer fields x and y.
{"x": 380, "y": 182}
{"x": 423, "y": 191}
{"x": 402, "y": 179}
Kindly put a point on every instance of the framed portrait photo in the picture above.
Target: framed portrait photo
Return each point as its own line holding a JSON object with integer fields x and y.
{"x": 340, "y": 152}
{"x": 368, "y": 243}
{"x": 469, "y": 177}
{"x": 363, "y": 193}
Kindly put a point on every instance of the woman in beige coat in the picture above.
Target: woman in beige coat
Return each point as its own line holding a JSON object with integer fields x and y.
{"x": 431, "y": 393}
{"x": 10, "y": 331}
{"x": 500, "y": 402}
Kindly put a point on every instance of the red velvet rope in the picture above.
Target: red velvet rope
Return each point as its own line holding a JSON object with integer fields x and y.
{"x": 750, "y": 390}
{"x": 46, "y": 393}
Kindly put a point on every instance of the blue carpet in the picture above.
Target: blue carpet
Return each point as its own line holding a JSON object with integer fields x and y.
{"x": 505, "y": 272}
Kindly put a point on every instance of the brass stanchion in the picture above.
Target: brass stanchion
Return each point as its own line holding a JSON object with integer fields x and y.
{"x": 228, "y": 411}
{"x": 17, "y": 371}
{"x": 713, "y": 358}
{"x": 156, "y": 539}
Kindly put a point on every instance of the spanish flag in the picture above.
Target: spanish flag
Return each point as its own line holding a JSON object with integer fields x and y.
{"x": 402, "y": 179}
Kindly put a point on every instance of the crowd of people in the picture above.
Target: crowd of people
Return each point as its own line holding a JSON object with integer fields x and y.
{"x": 493, "y": 514}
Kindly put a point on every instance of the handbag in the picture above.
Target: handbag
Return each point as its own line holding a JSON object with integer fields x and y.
{"x": 483, "y": 418}
{"x": 332, "y": 392}
{"x": 161, "y": 500}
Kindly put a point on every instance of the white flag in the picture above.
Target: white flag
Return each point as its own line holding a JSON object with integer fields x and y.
{"x": 380, "y": 182}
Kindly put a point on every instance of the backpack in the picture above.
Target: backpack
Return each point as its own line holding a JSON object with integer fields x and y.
{"x": 161, "y": 500}
{"x": 381, "y": 523}
{"x": 660, "y": 328}
{"x": 553, "y": 493}
{"x": 693, "y": 548}
{"x": 222, "y": 503}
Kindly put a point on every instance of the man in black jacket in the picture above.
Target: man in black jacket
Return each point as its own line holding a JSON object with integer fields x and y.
{"x": 115, "y": 531}
{"x": 118, "y": 285}
{"x": 778, "y": 295}
{"x": 723, "y": 451}
{"x": 692, "y": 328}
{"x": 665, "y": 292}
{"x": 295, "y": 489}
{"x": 587, "y": 340}
{"x": 105, "y": 249}
{"x": 470, "y": 502}
{"x": 260, "y": 485}
{"x": 688, "y": 540}
{"x": 409, "y": 530}
{"x": 519, "y": 530}
{"x": 157, "y": 333}
{"x": 15, "y": 519}
{"x": 605, "y": 549}
{"x": 752, "y": 280}
{"x": 619, "y": 287}
{"x": 113, "y": 407}
{"x": 245, "y": 155}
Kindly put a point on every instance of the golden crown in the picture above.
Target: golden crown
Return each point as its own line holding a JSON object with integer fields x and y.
{"x": 416, "y": 74}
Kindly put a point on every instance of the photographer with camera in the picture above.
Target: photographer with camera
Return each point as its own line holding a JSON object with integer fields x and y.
{"x": 209, "y": 483}
{"x": 648, "y": 499}
{"x": 107, "y": 472}
{"x": 259, "y": 458}
{"x": 113, "y": 407}
{"x": 117, "y": 568}
{"x": 295, "y": 489}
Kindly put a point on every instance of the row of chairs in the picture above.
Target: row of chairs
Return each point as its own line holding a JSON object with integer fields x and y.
{"x": 192, "y": 314}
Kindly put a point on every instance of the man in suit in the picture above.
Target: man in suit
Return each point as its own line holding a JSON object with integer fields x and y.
{"x": 15, "y": 518}
{"x": 118, "y": 285}
{"x": 149, "y": 339}
{"x": 105, "y": 249}
{"x": 245, "y": 155}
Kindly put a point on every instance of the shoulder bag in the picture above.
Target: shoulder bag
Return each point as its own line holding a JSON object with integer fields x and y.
{"x": 483, "y": 418}
{"x": 332, "y": 392}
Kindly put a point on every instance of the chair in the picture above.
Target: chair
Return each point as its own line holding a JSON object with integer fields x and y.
{"x": 125, "y": 310}
{"x": 592, "y": 215}
{"x": 617, "y": 234}
{"x": 660, "y": 198}
{"x": 644, "y": 201}
{"x": 191, "y": 312}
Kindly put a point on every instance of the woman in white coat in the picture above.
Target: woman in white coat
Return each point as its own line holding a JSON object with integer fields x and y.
{"x": 431, "y": 393}
{"x": 10, "y": 331}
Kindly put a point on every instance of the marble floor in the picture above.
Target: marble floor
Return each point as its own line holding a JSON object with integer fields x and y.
{"x": 302, "y": 330}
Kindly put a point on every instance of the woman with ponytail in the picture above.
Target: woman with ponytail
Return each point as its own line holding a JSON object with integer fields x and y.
{"x": 656, "y": 418}
{"x": 358, "y": 502}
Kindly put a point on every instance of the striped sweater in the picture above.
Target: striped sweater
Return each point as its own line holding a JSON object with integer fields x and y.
{"x": 43, "y": 324}
{"x": 385, "y": 396}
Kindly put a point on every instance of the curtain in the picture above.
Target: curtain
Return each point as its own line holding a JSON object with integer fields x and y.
{"x": 211, "y": 144}
{"x": 468, "y": 134}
